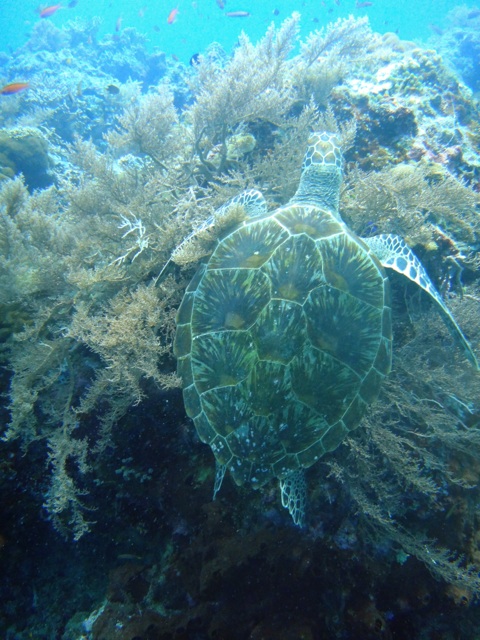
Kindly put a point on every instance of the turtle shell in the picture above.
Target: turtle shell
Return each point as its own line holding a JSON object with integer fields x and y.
{"x": 283, "y": 339}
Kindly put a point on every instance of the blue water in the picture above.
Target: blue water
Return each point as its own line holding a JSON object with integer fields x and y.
{"x": 199, "y": 22}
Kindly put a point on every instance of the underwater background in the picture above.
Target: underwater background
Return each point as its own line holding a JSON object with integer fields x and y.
{"x": 200, "y": 22}
{"x": 124, "y": 127}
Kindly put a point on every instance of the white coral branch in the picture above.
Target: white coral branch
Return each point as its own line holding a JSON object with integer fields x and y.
{"x": 137, "y": 227}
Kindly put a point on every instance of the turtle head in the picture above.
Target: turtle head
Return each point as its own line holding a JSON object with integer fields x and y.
{"x": 321, "y": 173}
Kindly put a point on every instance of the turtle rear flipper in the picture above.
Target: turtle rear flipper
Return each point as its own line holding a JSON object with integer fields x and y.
{"x": 394, "y": 253}
{"x": 293, "y": 489}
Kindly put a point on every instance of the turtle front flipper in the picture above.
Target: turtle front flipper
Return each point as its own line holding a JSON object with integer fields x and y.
{"x": 294, "y": 495}
{"x": 251, "y": 202}
{"x": 394, "y": 253}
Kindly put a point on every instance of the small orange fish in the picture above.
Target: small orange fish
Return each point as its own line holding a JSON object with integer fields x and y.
{"x": 49, "y": 11}
{"x": 14, "y": 87}
{"x": 172, "y": 16}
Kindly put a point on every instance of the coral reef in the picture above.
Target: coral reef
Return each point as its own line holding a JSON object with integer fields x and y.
{"x": 24, "y": 150}
{"x": 96, "y": 437}
{"x": 460, "y": 43}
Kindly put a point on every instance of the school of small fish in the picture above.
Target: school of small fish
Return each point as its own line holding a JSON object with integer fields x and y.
{"x": 47, "y": 11}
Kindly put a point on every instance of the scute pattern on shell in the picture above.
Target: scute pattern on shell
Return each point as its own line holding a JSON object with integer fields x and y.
{"x": 283, "y": 340}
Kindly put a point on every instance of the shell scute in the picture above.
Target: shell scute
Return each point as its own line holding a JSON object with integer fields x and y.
{"x": 371, "y": 386}
{"x": 204, "y": 428}
{"x": 191, "y": 400}
{"x": 311, "y": 454}
{"x": 355, "y": 412}
{"x": 279, "y": 318}
{"x": 242, "y": 470}
{"x": 221, "y": 450}
{"x": 229, "y": 299}
{"x": 344, "y": 326}
{"x": 283, "y": 467}
{"x": 249, "y": 247}
{"x": 296, "y": 440}
{"x": 295, "y": 269}
{"x": 323, "y": 383}
{"x": 298, "y": 219}
{"x": 222, "y": 358}
{"x": 351, "y": 269}
{"x": 256, "y": 441}
{"x": 267, "y": 387}
{"x": 184, "y": 370}
{"x": 227, "y": 410}
{"x": 184, "y": 314}
{"x": 383, "y": 361}
{"x": 334, "y": 436}
{"x": 183, "y": 340}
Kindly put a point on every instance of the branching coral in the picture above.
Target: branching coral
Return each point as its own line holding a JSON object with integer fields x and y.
{"x": 405, "y": 199}
{"x": 63, "y": 500}
{"x": 253, "y": 85}
{"x": 125, "y": 335}
{"x": 150, "y": 127}
{"x": 94, "y": 334}
{"x": 25, "y": 150}
{"x": 328, "y": 54}
{"x": 30, "y": 233}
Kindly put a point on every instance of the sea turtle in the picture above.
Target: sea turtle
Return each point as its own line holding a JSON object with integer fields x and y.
{"x": 284, "y": 335}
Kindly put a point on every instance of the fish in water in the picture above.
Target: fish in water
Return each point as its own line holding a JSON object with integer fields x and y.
{"x": 172, "y": 16}
{"x": 195, "y": 59}
{"x": 237, "y": 14}
{"x": 13, "y": 87}
{"x": 49, "y": 11}
{"x": 220, "y": 4}
{"x": 113, "y": 89}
